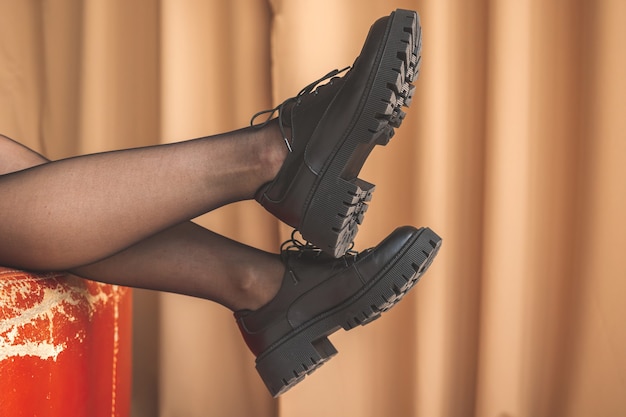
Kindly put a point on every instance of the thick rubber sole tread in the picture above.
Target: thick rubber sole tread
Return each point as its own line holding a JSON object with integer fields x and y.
{"x": 305, "y": 349}
{"x": 337, "y": 205}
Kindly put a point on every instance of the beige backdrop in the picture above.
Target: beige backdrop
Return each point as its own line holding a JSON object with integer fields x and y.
{"x": 514, "y": 151}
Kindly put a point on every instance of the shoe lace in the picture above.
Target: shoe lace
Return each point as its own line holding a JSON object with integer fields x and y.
{"x": 295, "y": 246}
{"x": 311, "y": 88}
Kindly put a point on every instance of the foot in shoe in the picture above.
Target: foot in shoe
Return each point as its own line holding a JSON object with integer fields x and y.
{"x": 320, "y": 294}
{"x": 333, "y": 127}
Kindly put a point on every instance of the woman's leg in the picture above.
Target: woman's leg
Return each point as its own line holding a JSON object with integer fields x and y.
{"x": 189, "y": 259}
{"x": 185, "y": 259}
{"x": 79, "y": 210}
{"x": 286, "y": 306}
{"x": 75, "y": 211}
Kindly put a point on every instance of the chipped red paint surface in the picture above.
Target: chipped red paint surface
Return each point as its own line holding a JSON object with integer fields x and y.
{"x": 64, "y": 346}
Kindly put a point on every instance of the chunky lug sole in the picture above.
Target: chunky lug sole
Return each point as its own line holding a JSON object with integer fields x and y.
{"x": 306, "y": 348}
{"x": 338, "y": 203}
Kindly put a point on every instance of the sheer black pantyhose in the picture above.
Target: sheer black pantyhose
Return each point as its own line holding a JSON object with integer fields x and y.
{"x": 122, "y": 217}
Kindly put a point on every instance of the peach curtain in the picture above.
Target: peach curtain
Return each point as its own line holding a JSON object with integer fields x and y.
{"x": 513, "y": 151}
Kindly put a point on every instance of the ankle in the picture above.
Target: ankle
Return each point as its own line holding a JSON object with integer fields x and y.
{"x": 257, "y": 288}
{"x": 273, "y": 150}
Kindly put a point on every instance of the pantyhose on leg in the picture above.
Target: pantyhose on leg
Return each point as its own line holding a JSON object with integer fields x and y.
{"x": 182, "y": 258}
{"x": 189, "y": 259}
{"x": 79, "y": 210}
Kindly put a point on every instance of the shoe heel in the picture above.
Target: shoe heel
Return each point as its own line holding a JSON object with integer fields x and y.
{"x": 338, "y": 207}
{"x": 289, "y": 363}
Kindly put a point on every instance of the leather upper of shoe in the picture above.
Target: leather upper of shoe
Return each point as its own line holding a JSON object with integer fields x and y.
{"x": 302, "y": 114}
{"x": 319, "y": 120}
{"x": 313, "y": 284}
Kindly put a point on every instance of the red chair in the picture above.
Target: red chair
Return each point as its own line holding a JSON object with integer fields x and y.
{"x": 65, "y": 346}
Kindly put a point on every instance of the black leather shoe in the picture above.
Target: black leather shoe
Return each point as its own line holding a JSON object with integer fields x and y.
{"x": 334, "y": 127}
{"x": 320, "y": 294}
